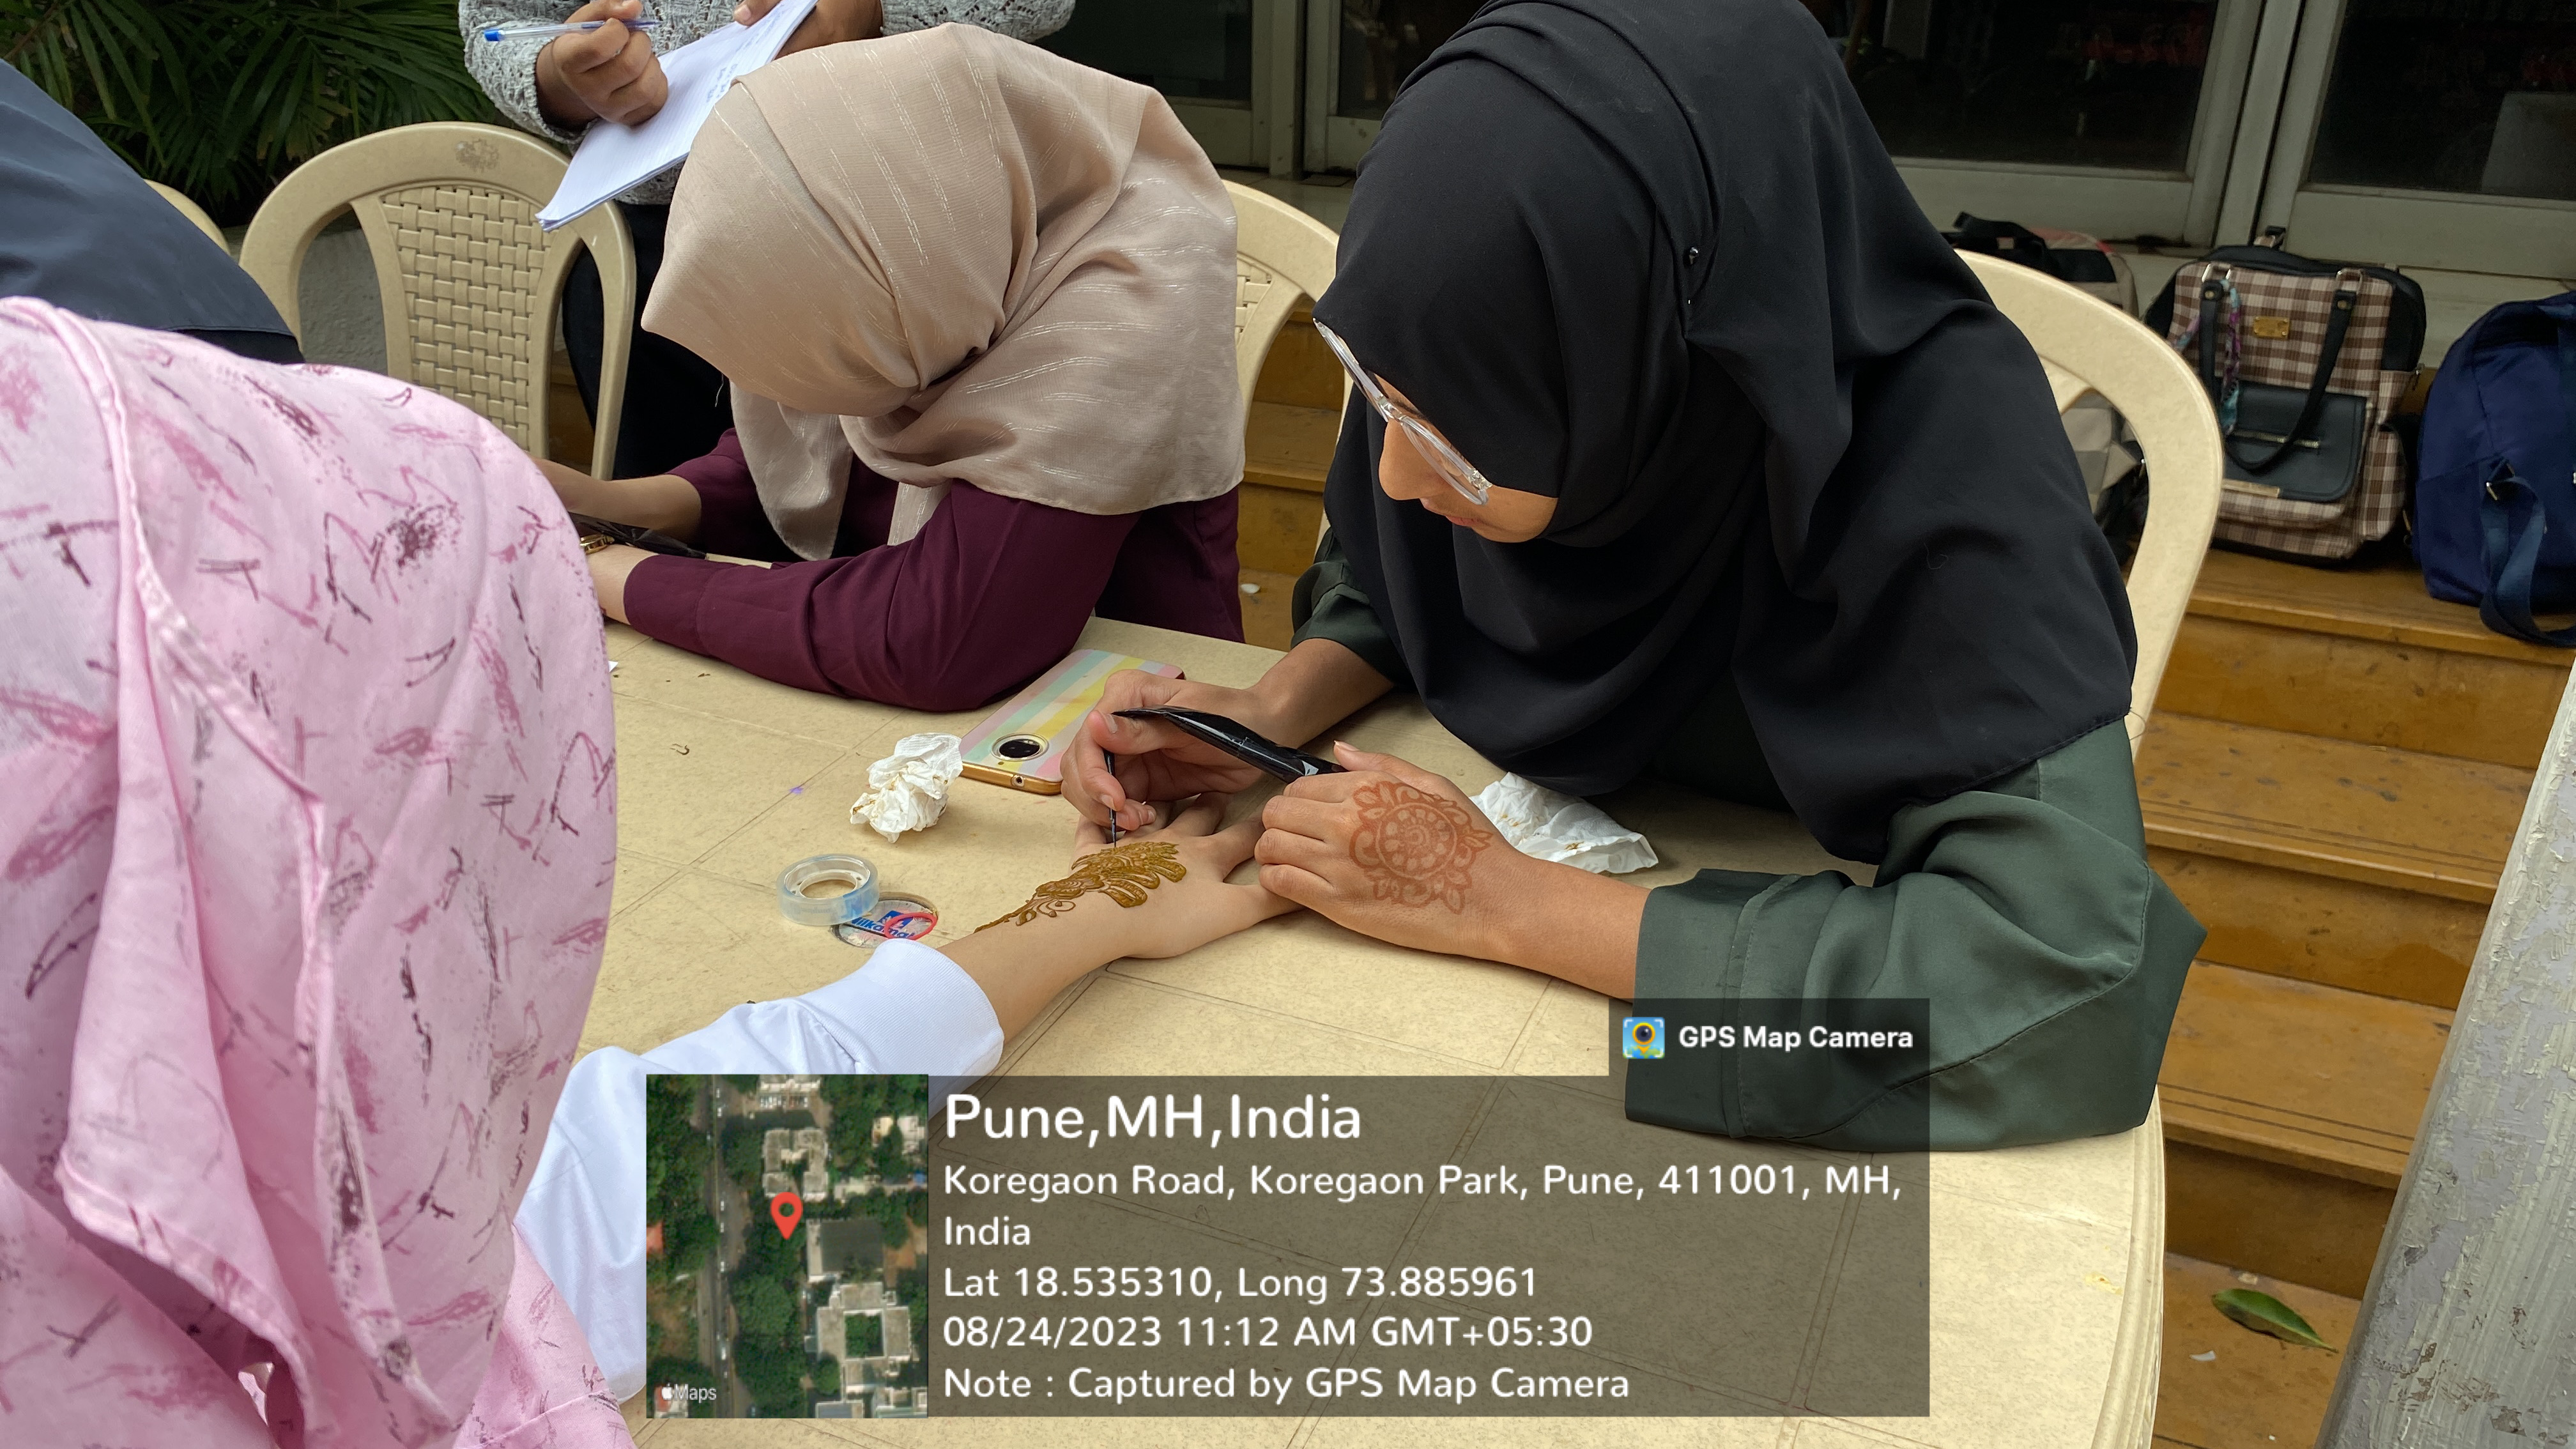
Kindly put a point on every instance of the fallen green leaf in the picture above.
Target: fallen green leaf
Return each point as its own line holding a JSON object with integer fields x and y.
{"x": 2264, "y": 1313}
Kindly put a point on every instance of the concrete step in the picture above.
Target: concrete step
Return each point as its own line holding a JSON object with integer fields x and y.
{"x": 2289, "y": 1112}
{"x": 2351, "y": 865}
{"x": 2320, "y": 928}
{"x": 1286, "y": 450}
{"x": 1288, "y": 435}
{"x": 2362, "y": 655}
{"x": 2224, "y": 1386}
{"x": 1265, "y": 608}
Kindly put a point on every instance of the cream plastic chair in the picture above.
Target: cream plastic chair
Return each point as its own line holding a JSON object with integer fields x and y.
{"x": 2088, "y": 345}
{"x": 1280, "y": 254}
{"x": 192, "y": 211}
{"x": 470, "y": 282}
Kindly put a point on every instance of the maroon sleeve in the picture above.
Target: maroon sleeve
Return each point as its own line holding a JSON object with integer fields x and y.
{"x": 992, "y": 591}
{"x": 730, "y": 518}
{"x": 1178, "y": 571}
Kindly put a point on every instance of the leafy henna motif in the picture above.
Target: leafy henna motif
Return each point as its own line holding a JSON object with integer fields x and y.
{"x": 1125, "y": 873}
{"x": 1416, "y": 847}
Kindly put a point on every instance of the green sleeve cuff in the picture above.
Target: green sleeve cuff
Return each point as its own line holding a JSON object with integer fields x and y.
{"x": 1328, "y": 604}
{"x": 1688, "y": 947}
{"x": 2022, "y": 913}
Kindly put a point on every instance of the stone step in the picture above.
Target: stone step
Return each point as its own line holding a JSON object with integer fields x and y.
{"x": 1286, "y": 450}
{"x": 2224, "y": 1386}
{"x": 1287, "y": 446}
{"x": 2351, "y": 865}
{"x": 2319, "y": 928}
{"x": 2289, "y": 1111}
{"x": 1265, "y": 607}
{"x": 2362, "y": 655}
{"x": 1288, "y": 434}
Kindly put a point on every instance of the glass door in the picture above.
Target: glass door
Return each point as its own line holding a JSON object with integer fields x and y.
{"x": 2113, "y": 117}
{"x": 1357, "y": 53}
{"x": 2431, "y": 133}
{"x": 1228, "y": 67}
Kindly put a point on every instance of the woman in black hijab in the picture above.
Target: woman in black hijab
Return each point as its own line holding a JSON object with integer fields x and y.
{"x": 1683, "y": 446}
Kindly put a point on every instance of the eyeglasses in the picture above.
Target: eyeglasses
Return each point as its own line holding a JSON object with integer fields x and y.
{"x": 1444, "y": 460}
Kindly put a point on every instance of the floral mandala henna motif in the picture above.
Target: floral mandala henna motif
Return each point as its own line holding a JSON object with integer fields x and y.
{"x": 1416, "y": 847}
{"x": 1124, "y": 873}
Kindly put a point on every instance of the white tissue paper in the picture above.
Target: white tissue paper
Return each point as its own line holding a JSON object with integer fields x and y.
{"x": 908, "y": 789}
{"x": 1538, "y": 821}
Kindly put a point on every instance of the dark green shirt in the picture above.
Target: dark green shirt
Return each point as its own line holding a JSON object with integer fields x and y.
{"x": 2023, "y": 910}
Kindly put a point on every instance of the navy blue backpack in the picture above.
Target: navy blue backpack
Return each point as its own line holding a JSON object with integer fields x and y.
{"x": 2495, "y": 510}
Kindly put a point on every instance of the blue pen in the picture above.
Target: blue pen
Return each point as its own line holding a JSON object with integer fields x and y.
{"x": 525, "y": 32}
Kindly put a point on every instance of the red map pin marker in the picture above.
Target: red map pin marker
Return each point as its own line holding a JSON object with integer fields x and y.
{"x": 787, "y": 1208}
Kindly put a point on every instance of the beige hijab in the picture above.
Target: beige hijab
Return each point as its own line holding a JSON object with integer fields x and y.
{"x": 961, "y": 258}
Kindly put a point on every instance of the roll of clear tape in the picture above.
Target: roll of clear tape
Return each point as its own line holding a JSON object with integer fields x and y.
{"x": 827, "y": 890}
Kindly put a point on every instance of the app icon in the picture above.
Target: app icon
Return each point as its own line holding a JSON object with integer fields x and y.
{"x": 1642, "y": 1036}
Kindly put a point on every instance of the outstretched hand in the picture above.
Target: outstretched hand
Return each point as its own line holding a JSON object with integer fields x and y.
{"x": 1159, "y": 893}
{"x": 1179, "y": 915}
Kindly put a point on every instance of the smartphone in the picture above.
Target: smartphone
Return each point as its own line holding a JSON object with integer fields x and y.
{"x": 1022, "y": 744}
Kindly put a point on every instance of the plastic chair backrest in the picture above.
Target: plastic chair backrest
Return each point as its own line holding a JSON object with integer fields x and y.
{"x": 195, "y": 214}
{"x": 470, "y": 281}
{"x": 1280, "y": 254}
{"x": 2088, "y": 345}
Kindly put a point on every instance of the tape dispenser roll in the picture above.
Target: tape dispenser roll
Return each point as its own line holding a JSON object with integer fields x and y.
{"x": 827, "y": 890}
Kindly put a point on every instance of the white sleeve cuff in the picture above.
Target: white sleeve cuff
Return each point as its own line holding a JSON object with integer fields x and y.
{"x": 910, "y": 1009}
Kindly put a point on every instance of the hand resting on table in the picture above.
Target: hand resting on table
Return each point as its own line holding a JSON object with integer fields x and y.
{"x": 1155, "y": 894}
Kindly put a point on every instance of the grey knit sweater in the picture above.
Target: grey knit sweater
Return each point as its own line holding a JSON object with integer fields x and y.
{"x": 507, "y": 70}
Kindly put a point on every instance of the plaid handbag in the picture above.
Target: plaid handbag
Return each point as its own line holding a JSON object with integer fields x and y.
{"x": 2305, "y": 361}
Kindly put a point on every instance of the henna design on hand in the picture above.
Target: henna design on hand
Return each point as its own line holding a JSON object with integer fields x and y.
{"x": 1124, "y": 873}
{"x": 1416, "y": 847}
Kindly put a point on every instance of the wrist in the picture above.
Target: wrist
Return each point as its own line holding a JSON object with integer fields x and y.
{"x": 1297, "y": 698}
{"x": 1022, "y": 967}
{"x": 1094, "y": 933}
{"x": 1565, "y": 922}
{"x": 611, "y": 570}
{"x": 1262, "y": 711}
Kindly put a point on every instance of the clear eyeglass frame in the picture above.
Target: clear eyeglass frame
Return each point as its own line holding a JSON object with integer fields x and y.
{"x": 1453, "y": 469}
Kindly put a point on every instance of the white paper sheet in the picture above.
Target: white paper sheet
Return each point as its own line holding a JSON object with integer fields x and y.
{"x": 614, "y": 158}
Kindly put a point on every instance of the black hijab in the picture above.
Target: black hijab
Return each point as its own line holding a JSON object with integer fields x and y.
{"x": 1649, "y": 257}
{"x": 80, "y": 230}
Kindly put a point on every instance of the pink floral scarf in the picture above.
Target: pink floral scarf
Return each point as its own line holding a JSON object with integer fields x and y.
{"x": 307, "y": 807}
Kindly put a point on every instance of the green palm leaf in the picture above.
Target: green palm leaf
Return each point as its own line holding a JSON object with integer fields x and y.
{"x": 221, "y": 97}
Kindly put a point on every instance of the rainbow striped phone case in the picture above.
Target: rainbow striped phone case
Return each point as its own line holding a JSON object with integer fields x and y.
{"x": 1022, "y": 744}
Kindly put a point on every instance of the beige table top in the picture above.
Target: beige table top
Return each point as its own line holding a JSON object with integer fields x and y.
{"x": 2047, "y": 1262}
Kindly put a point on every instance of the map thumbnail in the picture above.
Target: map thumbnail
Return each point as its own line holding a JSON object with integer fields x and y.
{"x": 787, "y": 1246}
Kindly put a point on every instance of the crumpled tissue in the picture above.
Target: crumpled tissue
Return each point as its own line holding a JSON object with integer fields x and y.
{"x": 1538, "y": 821}
{"x": 908, "y": 789}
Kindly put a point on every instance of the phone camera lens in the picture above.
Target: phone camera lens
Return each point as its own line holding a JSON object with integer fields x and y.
{"x": 1020, "y": 747}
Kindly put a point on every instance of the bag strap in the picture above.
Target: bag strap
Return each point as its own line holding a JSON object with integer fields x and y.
{"x": 2567, "y": 368}
{"x": 2338, "y": 321}
{"x": 2514, "y": 522}
{"x": 2213, "y": 294}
